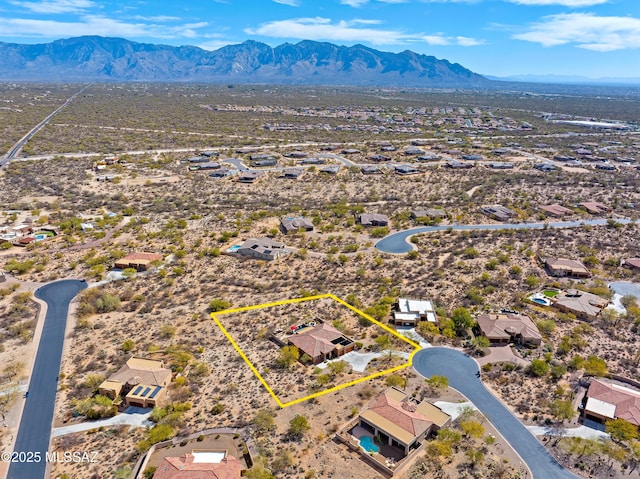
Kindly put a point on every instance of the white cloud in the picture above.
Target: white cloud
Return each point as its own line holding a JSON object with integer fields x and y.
{"x": 352, "y": 31}
{"x": 585, "y": 30}
{"x": 57, "y": 6}
{"x": 439, "y": 39}
{"x": 94, "y": 25}
{"x": 214, "y": 44}
{"x": 354, "y": 3}
{"x": 319, "y": 28}
{"x": 564, "y": 3}
{"x": 158, "y": 18}
{"x": 291, "y": 3}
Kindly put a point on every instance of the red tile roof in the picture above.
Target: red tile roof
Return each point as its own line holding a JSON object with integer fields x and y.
{"x": 402, "y": 414}
{"x": 626, "y": 400}
{"x": 317, "y": 341}
{"x": 184, "y": 467}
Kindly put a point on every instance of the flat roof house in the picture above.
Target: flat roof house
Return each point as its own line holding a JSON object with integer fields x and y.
{"x": 322, "y": 342}
{"x": 498, "y": 212}
{"x": 292, "y": 173}
{"x": 262, "y": 248}
{"x": 141, "y": 381}
{"x": 200, "y": 464}
{"x": 565, "y": 268}
{"x": 555, "y": 210}
{"x": 500, "y": 165}
{"x": 138, "y": 261}
{"x": 250, "y": 176}
{"x": 428, "y": 213}
{"x": 606, "y": 401}
{"x": 330, "y": 169}
{"x": 370, "y": 170}
{"x": 409, "y": 312}
{"x": 295, "y": 224}
{"x": 583, "y": 305}
{"x": 455, "y": 164}
{"x": 396, "y": 420}
{"x": 405, "y": 170}
{"x": 505, "y": 328}
{"x": 373, "y": 219}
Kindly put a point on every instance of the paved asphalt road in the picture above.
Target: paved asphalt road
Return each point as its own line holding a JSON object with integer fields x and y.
{"x": 461, "y": 371}
{"x": 398, "y": 242}
{"x": 37, "y": 416}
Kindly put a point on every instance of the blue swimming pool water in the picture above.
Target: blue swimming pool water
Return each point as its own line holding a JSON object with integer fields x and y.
{"x": 234, "y": 248}
{"x": 367, "y": 444}
{"x": 540, "y": 301}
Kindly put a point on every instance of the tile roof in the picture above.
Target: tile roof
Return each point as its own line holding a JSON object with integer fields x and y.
{"x": 392, "y": 413}
{"x": 317, "y": 341}
{"x": 505, "y": 325}
{"x": 188, "y": 467}
{"x": 625, "y": 400}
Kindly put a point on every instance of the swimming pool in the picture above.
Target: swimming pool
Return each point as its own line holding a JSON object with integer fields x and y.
{"x": 367, "y": 444}
{"x": 41, "y": 236}
{"x": 234, "y": 248}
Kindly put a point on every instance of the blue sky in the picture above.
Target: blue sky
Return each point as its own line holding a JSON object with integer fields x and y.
{"x": 591, "y": 38}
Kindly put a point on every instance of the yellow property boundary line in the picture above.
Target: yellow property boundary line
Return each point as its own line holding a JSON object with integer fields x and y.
{"x": 409, "y": 362}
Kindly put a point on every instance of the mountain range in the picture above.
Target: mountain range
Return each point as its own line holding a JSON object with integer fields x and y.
{"x": 94, "y": 58}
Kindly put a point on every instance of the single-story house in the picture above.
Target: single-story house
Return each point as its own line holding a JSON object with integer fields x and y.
{"x": 198, "y": 159}
{"x": 292, "y": 173}
{"x": 370, "y": 170}
{"x": 22, "y": 230}
{"x": 419, "y": 142}
{"x": 138, "y": 261}
{"x": 200, "y": 464}
{"x": 405, "y": 170}
{"x": 428, "y": 213}
{"x": 606, "y": 400}
{"x": 555, "y": 210}
{"x": 413, "y": 152}
{"x": 565, "y": 268}
{"x": 472, "y": 157}
{"x": 580, "y": 303}
{"x": 321, "y": 342}
{"x": 350, "y": 151}
{"x": 313, "y": 161}
{"x": 221, "y": 173}
{"x": 505, "y": 328}
{"x": 373, "y": 219}
{"x": 397, "y": 420}
{"x": 409, "y": 312}
{"x": 605, "y": 166}
{"x": 457, "y": 165}
{"x": 500, "y": 165}
{"x": 379, "y": 158}
{"x": 249, "y": 176}
{"x": 388, "y": 148}
{"x": 262, "y": 248}
{"x": 546, "y": 167}
{"x": 209, "y": 165}
{"x": 633, "y": 263}
{"x": 429, "y": 157}
{"x": 498, "y": 212}
{"x": 209, "y": 153}
{"x": 295, "y": 224}
{"x": 296, "y": 154}
{"x": 595, "y": 207}
{"x": 330, "y": 169}
{"x": 141, "y": 381}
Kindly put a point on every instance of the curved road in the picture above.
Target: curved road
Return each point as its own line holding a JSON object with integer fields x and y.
{"x": 37, "y": 416}
{"x": 398, "y": 243}
{"x": 461, "y": 371}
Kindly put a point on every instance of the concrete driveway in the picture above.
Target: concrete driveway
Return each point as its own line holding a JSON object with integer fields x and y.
{"x": 461, "y": 371}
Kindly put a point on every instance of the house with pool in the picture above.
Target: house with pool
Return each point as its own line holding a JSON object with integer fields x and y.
{"x": 392, "y": 430}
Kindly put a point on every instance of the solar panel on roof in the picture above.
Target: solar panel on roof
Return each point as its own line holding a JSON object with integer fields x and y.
{"x": 155, "y": 392}
{"x": 146, "y": 391}
{"x": 138, "y": 389}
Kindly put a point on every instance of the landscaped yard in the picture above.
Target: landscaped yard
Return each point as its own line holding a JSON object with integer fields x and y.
{"x": 551, "y": 293}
